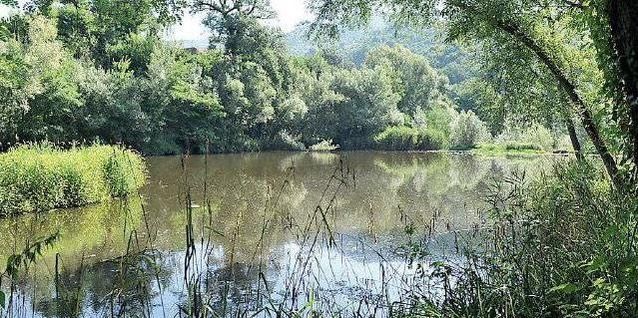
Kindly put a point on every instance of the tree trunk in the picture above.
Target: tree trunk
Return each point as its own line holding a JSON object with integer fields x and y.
{"x": 585, "y": 115}
{"x": 578, "y": 150}
{"x": 623, "y": 20}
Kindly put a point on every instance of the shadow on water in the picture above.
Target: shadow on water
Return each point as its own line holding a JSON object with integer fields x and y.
{"x": 267, "y": 234}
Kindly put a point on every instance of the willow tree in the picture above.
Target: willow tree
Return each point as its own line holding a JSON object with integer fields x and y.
{"x": 417, "y": 82}
{"x": 526, "y": 90}
{"x": 531, "y": 23}
{"x": 108, "y": 31}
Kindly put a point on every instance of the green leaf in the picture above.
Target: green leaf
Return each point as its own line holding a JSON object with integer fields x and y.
{"x": 3, "y": 298}
{"x": 567, "y": 288}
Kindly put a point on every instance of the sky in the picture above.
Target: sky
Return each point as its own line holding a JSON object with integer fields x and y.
{"x": 289, "y": 14}
{"x": 4, "y": 11}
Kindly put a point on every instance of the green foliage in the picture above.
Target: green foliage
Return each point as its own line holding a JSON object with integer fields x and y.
{"x": 13, "y": 82}
{"x": 38, "y": 178}
{"x": 412, "y": 76}
{"x": 43, "y": 100}
{"x": 482, "y": 98}
{"x": 533, "y": 137}
{"x": 557, "y": 53}
{"x": 369, "y": 107}
{"x": 124, "y": 172}
{"x": 180, "y": 103}
{"x": 112, "y": 109}
{"x": 467, "y": 131}
{"x": 313, "y": 80}
{"x": 75, "y": 79}
{"x": 135, "y": 48}
{"x": 108, "y": 32}
{"x": 400, "y": 138}
{"x": 430, "y": 130}
{"x": 568, "y": 238}
{"x": 437, "y": 122}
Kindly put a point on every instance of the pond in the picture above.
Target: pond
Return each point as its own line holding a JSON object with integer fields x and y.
{"x": 348, "y": 234}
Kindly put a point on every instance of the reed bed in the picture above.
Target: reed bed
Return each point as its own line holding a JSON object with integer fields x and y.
{"x": 42, "y": 177}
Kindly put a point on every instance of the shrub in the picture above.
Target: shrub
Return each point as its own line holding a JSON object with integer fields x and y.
{"x": 399, "y": 138}
{"x": 437, "y": 125}
{"x": 37, "y": 178}
{"x": 434, "y": 139}
{"x": 467, "y": 131}
{"x": 519, "y": 146}
{"x": 533, "y": 137}
{"x": 324, "y": 145}
{"x": 412, "y": 138}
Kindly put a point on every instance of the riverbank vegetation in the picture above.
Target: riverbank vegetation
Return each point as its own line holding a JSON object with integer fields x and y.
{"x": 523, "y": 76}
{"x": 73, "y": 72}
{"x": 39, "y": 178}
{"x": 562, "y": 244}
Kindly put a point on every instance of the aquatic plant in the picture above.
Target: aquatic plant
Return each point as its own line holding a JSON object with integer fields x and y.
{"x": 42, "y": 177}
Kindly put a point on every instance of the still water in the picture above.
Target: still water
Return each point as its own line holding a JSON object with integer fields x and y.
{"x": 347, "y": 234}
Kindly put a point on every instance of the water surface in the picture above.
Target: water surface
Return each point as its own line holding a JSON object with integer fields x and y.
{"x": 347, "y": 234}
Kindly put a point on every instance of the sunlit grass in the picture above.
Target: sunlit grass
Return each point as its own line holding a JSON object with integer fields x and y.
{"x": 42, "y": 177}
{"x": 498, "y": 149}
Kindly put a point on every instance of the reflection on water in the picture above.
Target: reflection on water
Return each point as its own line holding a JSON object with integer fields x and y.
{"x": 257, "y": 234}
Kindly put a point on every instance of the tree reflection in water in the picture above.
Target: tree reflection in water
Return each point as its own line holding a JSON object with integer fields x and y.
{"x": 348, "y": 234}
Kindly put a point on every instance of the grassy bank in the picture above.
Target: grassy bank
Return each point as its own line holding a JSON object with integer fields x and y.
{"x": 38, "y": 178}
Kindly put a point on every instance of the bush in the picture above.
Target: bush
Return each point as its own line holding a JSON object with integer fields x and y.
{"x": 437, "y": 122}
{"x": 434, "y": 139}
{"x": 468, "y": 131}
{"x": 533, "y": 137}
{"x": 519, "y": 146}
{"x": 37, "y": 178}
{"x": 399, "y": 138}
{"x": 324, "y": 145}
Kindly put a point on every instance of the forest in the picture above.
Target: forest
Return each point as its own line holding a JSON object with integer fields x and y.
{"x": 486, "y": 151}
{"x": 81, "y": 72}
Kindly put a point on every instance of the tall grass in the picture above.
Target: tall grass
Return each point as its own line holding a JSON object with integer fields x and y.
{"x": 42, "y": 177}
{"x": 561, "y": 246}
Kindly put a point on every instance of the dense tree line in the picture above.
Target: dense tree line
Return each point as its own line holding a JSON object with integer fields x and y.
{"x": 82, "y": 71}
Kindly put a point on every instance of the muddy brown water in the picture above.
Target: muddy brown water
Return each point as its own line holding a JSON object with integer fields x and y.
{"x": 258, "y": 234}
